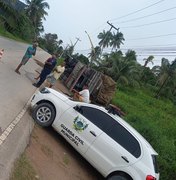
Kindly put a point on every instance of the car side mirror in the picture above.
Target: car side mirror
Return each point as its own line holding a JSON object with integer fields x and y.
{"x": 78, "y": 108}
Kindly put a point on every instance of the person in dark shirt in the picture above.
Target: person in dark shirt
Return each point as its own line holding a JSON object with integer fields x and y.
{"x": 50, "y": 63}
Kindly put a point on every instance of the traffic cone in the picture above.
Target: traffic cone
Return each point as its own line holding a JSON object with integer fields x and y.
{"x": 1, "y": 53}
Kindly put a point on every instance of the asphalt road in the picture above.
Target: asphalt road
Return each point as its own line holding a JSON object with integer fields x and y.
{"x": 15, "y": 92}
{"x": 15, "y": 89}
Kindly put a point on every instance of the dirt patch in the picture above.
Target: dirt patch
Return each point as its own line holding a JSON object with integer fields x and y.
{"x": 53, "y": 158}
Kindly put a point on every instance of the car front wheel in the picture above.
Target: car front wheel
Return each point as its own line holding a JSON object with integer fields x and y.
{"x": 44, "y": 114}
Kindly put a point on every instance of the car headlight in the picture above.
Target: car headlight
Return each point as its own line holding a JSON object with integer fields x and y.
{"x": 44, "y": 90}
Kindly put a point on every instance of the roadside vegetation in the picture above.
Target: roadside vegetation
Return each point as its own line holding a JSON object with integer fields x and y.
{"x": 156, "y": 120}
{"x": 23, "y": 170}
{"x": 147, "y": 95}
{"x": 6, "y": 34}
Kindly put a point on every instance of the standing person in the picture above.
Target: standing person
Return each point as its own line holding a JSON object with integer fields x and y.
{"x": 31, "y": 51}
{"x": 83, "y": 96}
{"x": 53, "y": 77}
{"x": 50, "y": 63}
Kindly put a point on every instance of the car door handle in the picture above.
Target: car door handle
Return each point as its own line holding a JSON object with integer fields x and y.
{"x": 125, "y": 158}
{"x": 93, "y": 133}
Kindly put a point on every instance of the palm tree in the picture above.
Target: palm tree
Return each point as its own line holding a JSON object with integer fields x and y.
{"x": 167, "y": 71}
{"x": 105, "y": 38}
{"x": 36, "y": 11}
{"x": 130, "y": 55}
{"x": 122, "y": 71}
{"x": 147, "y": 60}
{"x": 116, "y": 39}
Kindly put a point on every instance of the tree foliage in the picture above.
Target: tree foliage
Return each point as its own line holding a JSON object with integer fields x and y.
{"x": 110, "y": 39}
{"x": 15, "y": 21}
{"x": 148, "y": 60}
{"x": 51, "y": 44}
{"x": 35, "y": 10}
{"x": 167, "y": 79}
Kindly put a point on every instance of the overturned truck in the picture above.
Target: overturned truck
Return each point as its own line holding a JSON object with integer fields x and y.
{"x": 101, "y": 87}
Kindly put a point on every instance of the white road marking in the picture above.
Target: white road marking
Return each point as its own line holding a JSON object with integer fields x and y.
{"x": 12, "y": 125}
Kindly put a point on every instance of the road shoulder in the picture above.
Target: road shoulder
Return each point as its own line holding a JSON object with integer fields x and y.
{"x": 15, "y": 145}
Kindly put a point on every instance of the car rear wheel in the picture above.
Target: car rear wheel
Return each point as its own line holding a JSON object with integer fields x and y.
{"x": 44, "y": 114}
{"x": 118, "y": 177}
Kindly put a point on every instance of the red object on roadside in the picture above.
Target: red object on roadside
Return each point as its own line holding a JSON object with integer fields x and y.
{"x": 1, "y": 53}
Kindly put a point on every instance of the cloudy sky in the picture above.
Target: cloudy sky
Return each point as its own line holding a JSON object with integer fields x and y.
{"x": 148, "y": 25}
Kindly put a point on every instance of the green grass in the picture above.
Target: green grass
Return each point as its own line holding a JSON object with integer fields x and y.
{"x": 66, "y": 159}
{"x": 6, "y": 34}
{"x": 156, "y": 121}
{"x": 47, "y": 151}
{"x": 23, "y": 170}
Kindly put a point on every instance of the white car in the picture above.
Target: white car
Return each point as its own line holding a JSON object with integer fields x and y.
{"x": 105, "y": 140}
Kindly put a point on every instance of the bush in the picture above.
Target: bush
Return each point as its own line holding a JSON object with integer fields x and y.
{"x": 156, "y": 121}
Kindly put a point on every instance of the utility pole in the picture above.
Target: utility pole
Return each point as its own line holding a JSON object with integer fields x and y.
{"x": 93, "y": 54}
{"x": 77, "y": 39}
{"x": 112, "y": 27}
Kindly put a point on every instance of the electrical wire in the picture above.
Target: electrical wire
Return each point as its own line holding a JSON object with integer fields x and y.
{"x": 103, "y": 25}
{"x": 141, "y": 48}
{"x": 152, "y": 23}
{"x": 164, "y": 35}
{"x": 155, "y": 54}
{"x": 156, "y": 45}
{"x": 138, "y": 10}
{"x": 149, "y": 15}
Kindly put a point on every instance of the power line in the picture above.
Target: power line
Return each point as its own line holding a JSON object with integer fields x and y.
{"x": 142, "y": 50}
{"x": 156, "y": 22}
{"x": 173, "y": 34}
{"x": 142, "y": 17}
{"x": 166, "y": 49}
{"x": 153, "y": 50}
{"x": 138, "y": 10}
{"x": 149, "y": 54}
{"x": 156, "y": 45}
{"x": 159, "y": 54}
{"x": 103, "y": 25}
{"x": 142, "y": 47}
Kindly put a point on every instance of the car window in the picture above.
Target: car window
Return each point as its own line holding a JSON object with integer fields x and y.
{"x": 97, "y": 117}
{"x": 125, "y": 139}
{"x": 112, "y": 128}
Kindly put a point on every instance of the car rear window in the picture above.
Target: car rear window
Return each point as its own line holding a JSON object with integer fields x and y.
{"x": 125, "y": 139}
{"x": 112, "y": 128}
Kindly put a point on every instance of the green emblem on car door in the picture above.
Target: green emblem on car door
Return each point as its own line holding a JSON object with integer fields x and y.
{"x": 79, "y": 124}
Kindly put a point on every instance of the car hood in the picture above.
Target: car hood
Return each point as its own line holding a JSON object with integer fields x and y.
{"x": 60, "y": 95}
